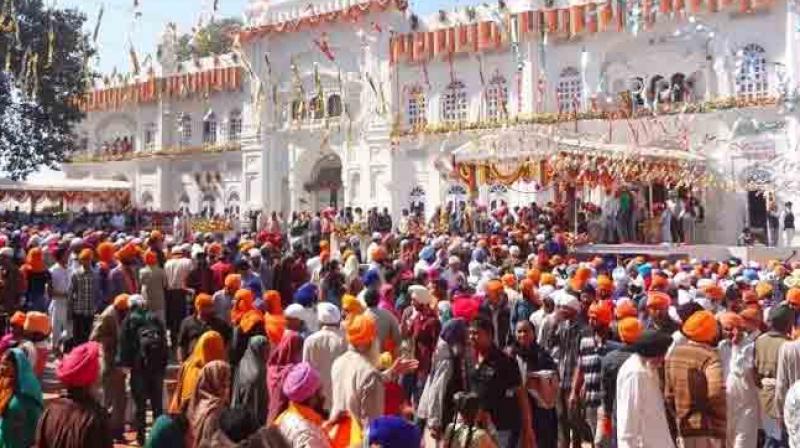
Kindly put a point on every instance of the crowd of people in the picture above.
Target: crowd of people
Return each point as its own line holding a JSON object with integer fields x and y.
{"x": 437, "y": 336}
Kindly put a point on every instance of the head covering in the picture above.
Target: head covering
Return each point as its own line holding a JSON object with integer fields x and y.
{"x": 701, "y": 327}
{"x": 242, "y": 303}
{"x": 17, "y": 319}
{"x": 209, "y": 347}
{"x": 629, "y": 329}
{"x": 274, "y": 325}
{"x": 625, "y": 308}
{"x": 273, "y": 302}
{"x": 731, "y": 319}
{"x": 454, "y": 332}
{"x": 121, "y": 302}
{"x": 80, "y": 367}
{"x": 465, "y": 307}
{"x": 85, "y": 255}
{"x": 749, "y": 297}
{"x": 419, "y": 294}
{"x": 714, "y": 292}
{"x": 328, "y": 314}
{"x": 763, "y": 290}
{"x": 209, "y": 397}
{"x": 202, "y": 301}
{"x": 752, "y": 316}
{"x": 352, "y": 305}
{"x": 251, "y": 320}
{"x": 793, "y": 296}
{"x": 287, "y": 352}
{"x": 233, "y": 281}
{"x": 509, "y": 280}
{"x": 306, "y": 295}
{"x": 605, "y": 284}
{"x": 371, "y": 277}
{"x": 602, "y": 311}
{"x": 361, "y": 330}
{"x": 23, "y": 384}
{"x": 35, "y": 260}
{"x": 294, "y": 311}
{"x": 547, "y": 279}
{"x": 301, "y": 383}
{"x": 658, "y": 300}
{"x": 37, "y": 323}
{"x": 250, "y": 380}
{"x": 652, "y": 344}
{"x": 567, "y": 300}
{"x": 393, "y": 432}
{"x": 150, "y": 258}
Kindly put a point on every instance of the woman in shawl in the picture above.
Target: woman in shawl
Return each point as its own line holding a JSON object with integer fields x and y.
{"x": 288, "y": 352}
{"x": 252, "y": 324}
{"x": 242, "y": 303}
{"x": 539, "y": 373}
{"x": 210, "y": 347}
{"x": 446, "y": 378}
{"x": 250, "y": 380}
{"x": 210, "y": 398}
{"x": 20, "y": 401}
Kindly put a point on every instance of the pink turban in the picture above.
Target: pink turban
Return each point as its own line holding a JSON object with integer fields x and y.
{"x": 81, "y": 366}
{"x": 301, "y": 383}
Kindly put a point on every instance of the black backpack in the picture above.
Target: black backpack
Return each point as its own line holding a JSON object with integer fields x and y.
{"x": 152, "y": 347}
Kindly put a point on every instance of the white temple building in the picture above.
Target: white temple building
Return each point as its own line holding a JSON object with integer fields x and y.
{"x": 361, "y": 103}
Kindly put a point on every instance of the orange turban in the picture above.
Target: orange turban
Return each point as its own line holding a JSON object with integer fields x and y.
{"x": 626, "y": 308}
{"x": 156, "y": 235}
{"x": 793, "y": 296}
{"x": 749, "y": 297}
{"x": 379, "y": 253}
{"x": 509, "y": 280}
{"x": 714, "y": 292}
{"x": 274, "y": 325}
{"x": 534, "y": 275}
{"x": 85, "y": 255}
{"x": 36, "y": 322}
{"x": 35, "y": 260}
{"x": 361, "y": 330}
{"x": 202, "y": 301}
{"x": 233, "y": 281}
{"x": 150, "y": 258}
{"x": 659, "y": 282}
{"x": 658, "y": 300}
{"x": 351, "y": 305}
{"x": 752, "y": 316}
{"x": 105, "y": 252}
{"x": 730, "y": 319}
{"x": 701, "y": 327}
{"x": 605, "y": 284}
{"x": 629, "y": 330}
{"x": 602, "y": 312}
{"x": 242, "y": 303}
{"x": 493, "y": 289}
{"x": 18, "y": 319}
{"x": 121, "y": 302}
{"x": 273, "y": 302}
{"x": 547, "y": 279}
{"x": 215, "y": 249}
{"x": 127, "y": 252}
{"x": 763, "y": 290}
{"x": 250, "y": 320}
{"x": 324, "y": 245}
{"x": 583, "y": 274}
{"x": 722, "y": 270}
{"x": 527, "y": 286}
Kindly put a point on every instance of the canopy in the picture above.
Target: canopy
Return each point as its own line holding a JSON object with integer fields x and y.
{"x": 69, "y": 190}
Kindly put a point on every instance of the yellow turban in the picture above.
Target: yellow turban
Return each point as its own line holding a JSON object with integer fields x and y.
{"x": 701, "y": 327}
{"x": 361, "y": 330}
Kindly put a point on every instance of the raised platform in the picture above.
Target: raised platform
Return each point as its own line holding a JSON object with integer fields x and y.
{"x": 760, "y": 254}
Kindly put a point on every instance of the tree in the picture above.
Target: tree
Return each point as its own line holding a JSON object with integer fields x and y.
{"x": 43, "y": 58}
{"x": 214, "y": 38}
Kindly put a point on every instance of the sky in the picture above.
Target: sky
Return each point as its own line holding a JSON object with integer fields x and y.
{"x": 118, "y": 26}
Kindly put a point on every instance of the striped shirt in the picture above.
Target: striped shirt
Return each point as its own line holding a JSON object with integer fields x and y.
{"x": 592, "y": 350}
{"x": 81, "y": 292}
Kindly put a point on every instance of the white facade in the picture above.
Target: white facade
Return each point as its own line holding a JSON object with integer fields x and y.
{"x": 365, "y": 150}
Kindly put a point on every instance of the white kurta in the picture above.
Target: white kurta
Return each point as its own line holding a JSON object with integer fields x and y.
{"x": 641, "y": 418}
{"x": 742, "y": 394}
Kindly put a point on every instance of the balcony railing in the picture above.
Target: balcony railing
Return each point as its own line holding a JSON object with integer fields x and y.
{"x": 165, "y": 152}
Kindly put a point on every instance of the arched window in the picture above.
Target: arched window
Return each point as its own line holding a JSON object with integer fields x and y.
{"x": 334, "y": 105}
{"x": 147, "y": 201}
{"x": 417, "y": 109}
{"x": 751, "y": 72}
{"x": 210, "y": 128}
{"x": 235, "y": 126}
{"x": 232, "y": 205}
{"x": 298, "y": 110}
{"x": 568, "y": 91}
{"x": 209, "y": 205}
{"x": 149, "y": 137}
{"x": 678, "y": 88}
{"x": 184, "y": 204}
{"x": 186, "y": 129}
{"x": 636, "y": 87}
{"x": 454, "y": 102}
{"x": 316, "y": 106}
{"x": 497, "y": 98}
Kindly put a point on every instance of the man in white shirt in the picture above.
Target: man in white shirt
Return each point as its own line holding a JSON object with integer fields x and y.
{"x": 177, "y": 269}
{"x": 641, "y": 417}
{"x": 60, "y": 278}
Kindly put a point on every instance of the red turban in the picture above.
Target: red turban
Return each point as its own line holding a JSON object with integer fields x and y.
{"x": 81, "y": 366}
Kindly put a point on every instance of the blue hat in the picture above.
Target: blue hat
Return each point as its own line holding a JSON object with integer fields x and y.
{"x": 645, "y": 269}
{"x": 371, "y": 277}
{"x": 428, "y": 253}
{"x": 394, "y": 432}
{"x": 306, "y": 294}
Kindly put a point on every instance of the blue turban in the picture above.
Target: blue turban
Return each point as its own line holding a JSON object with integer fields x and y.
{"x": 371, "y": 277}
{"x": 645, "y": 270}
{"x": 394, "y": 432}
{"x": 479, "y": 255}
{"x": 428, "y": 253}
{"x": 305, "y": 295}
{"x": 750, "y": 274}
